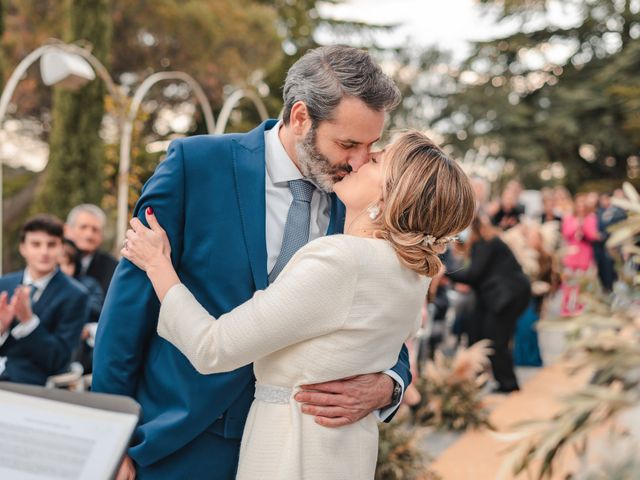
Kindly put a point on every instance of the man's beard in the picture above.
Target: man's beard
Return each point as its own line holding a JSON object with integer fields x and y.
{"x": 317, "y": 167}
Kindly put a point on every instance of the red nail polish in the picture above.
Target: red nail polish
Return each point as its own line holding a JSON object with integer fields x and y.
{"x": 149, "y": 211}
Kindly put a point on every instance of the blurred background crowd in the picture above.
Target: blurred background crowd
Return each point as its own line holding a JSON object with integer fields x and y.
{"x": 527, "y": 255}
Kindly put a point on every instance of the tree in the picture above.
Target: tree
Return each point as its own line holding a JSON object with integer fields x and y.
{"x": 1, "y": 34}
{"x": 74, "y": 171}
{"x": 516, "y": 99}
{"x": 299, "y": 24}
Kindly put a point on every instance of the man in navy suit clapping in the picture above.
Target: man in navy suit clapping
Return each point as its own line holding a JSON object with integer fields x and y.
{"x": 42, "y": 311}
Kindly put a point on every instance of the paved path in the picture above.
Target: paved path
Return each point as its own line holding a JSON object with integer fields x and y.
{"x": 478, "y": 455}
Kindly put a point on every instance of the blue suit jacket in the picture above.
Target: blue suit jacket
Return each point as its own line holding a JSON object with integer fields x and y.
{"x": 209, "y": 196}
{"x": 63, "y": 310}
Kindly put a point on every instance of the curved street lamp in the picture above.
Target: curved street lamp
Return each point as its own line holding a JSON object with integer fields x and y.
{"x": 62, "y": 64}
{"x": 71, "y": 66}
{"x": 231, "y": 102}
{"x": 127, "y": 134}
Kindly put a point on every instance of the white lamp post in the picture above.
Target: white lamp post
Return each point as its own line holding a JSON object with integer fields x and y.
{"x": 61, "y": 64}
{"x": 72, "y": 66}
{"x": 231, "y": 102}
{"x": 127, "y": 133}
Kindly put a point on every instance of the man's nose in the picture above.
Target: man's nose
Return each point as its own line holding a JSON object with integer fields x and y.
{"x": 359, "y": 159}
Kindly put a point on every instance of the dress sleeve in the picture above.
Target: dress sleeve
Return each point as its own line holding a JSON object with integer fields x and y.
{"x": 310, "y": 299}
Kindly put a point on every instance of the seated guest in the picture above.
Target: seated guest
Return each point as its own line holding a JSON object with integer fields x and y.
{"x": 85, "y": 227}
{"x": 42, "y": 311}
{"x": 70, "y": 265}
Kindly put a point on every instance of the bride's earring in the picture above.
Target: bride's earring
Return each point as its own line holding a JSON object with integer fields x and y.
{"x": 373, "y": 211}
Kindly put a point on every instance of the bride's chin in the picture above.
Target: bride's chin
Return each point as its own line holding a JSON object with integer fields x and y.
{"x": 339, "y": 185}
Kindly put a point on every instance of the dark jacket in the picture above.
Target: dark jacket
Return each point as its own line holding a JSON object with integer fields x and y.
{"x": 63, "y": 310}
{"x": 101, "y": 268}
{"x": 96, "y": 296}
{"x": 495, "y": 274}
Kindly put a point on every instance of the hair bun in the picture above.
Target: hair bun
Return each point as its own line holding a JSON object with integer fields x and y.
{"x": 416, "y": 253}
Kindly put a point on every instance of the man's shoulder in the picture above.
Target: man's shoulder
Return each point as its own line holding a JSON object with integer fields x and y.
{"x": 205, "y": 146}
{"x": 12, "y": 278}
{"x": 198, "y": 151}
{"x": 105, "y": 257}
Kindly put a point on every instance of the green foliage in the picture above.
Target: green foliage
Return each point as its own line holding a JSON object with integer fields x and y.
{"x": 298, "y": 23}
{"x": 513, "y": 98}
{"x": 219, "y": 43}
{"x": 2, "y": 67}
{"x": 74, "y": 171}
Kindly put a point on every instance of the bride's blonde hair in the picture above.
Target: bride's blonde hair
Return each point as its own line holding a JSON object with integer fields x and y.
{"x": 427, "y": 199}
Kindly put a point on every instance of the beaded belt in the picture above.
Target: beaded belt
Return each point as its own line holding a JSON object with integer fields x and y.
{"x": 272, "y": 393}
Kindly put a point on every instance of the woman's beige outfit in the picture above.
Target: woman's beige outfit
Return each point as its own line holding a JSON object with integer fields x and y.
{"x": 342, "y": 306}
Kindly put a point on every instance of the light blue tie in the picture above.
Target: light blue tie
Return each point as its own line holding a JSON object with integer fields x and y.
{"x": 296, "y": 230}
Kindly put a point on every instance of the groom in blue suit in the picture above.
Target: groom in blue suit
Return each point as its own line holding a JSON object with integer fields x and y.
{"x": 223, "y": 201}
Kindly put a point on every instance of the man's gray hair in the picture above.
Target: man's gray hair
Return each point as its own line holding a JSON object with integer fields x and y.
{"x": 324, "y": 75}
{"x": 86, "y": 208}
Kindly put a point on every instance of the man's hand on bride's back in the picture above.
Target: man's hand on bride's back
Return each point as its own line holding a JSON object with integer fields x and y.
{"x": 341, "y": 402}
{"x": 146, "y": 247}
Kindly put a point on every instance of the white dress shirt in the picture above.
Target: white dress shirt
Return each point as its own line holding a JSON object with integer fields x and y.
{"x": 280, "y": 170}
{"x": 24, "y": 329}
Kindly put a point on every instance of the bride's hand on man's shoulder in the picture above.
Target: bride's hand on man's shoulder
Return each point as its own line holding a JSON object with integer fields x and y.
{"x": 146, "y": 247}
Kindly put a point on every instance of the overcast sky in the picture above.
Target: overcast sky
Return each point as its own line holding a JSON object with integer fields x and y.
{"x": 451, "y": 24}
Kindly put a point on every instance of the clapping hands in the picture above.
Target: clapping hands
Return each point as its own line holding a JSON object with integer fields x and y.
{"x": 23, "y": 303}
{"x": 19, "y": 306}
{"x": 7, "y": 311}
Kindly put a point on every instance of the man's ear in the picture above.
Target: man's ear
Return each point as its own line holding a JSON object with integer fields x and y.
{"x": 300, "y": 120}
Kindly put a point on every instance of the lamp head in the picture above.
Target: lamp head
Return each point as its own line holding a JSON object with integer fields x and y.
{"x": 64, "y": 69}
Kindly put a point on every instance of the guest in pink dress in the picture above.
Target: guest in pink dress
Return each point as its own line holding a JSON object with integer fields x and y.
{"x": 579, "y": 230}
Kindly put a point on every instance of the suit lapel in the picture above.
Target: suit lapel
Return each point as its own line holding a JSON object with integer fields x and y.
{"x": 54, "y": 286}
{"x": 249, "y": 172}
{"x": 336, "y": 221}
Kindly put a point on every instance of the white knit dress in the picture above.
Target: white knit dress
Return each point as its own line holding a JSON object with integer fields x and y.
{"x": 343, "y": 306}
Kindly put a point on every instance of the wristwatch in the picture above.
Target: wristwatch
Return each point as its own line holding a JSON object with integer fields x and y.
{"x": 396, "y": 395}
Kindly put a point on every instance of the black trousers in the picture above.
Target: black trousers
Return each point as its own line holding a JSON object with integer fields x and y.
{"x": 499, "y": 327}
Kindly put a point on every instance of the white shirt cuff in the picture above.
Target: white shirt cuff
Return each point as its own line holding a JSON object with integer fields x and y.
{"x": 93, "y": 330}
{"x": 385, "y": 413}
{"x": 23, "y": 329}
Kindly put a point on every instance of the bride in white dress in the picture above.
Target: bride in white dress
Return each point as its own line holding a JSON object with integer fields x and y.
{"x": 343, "y": 306}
